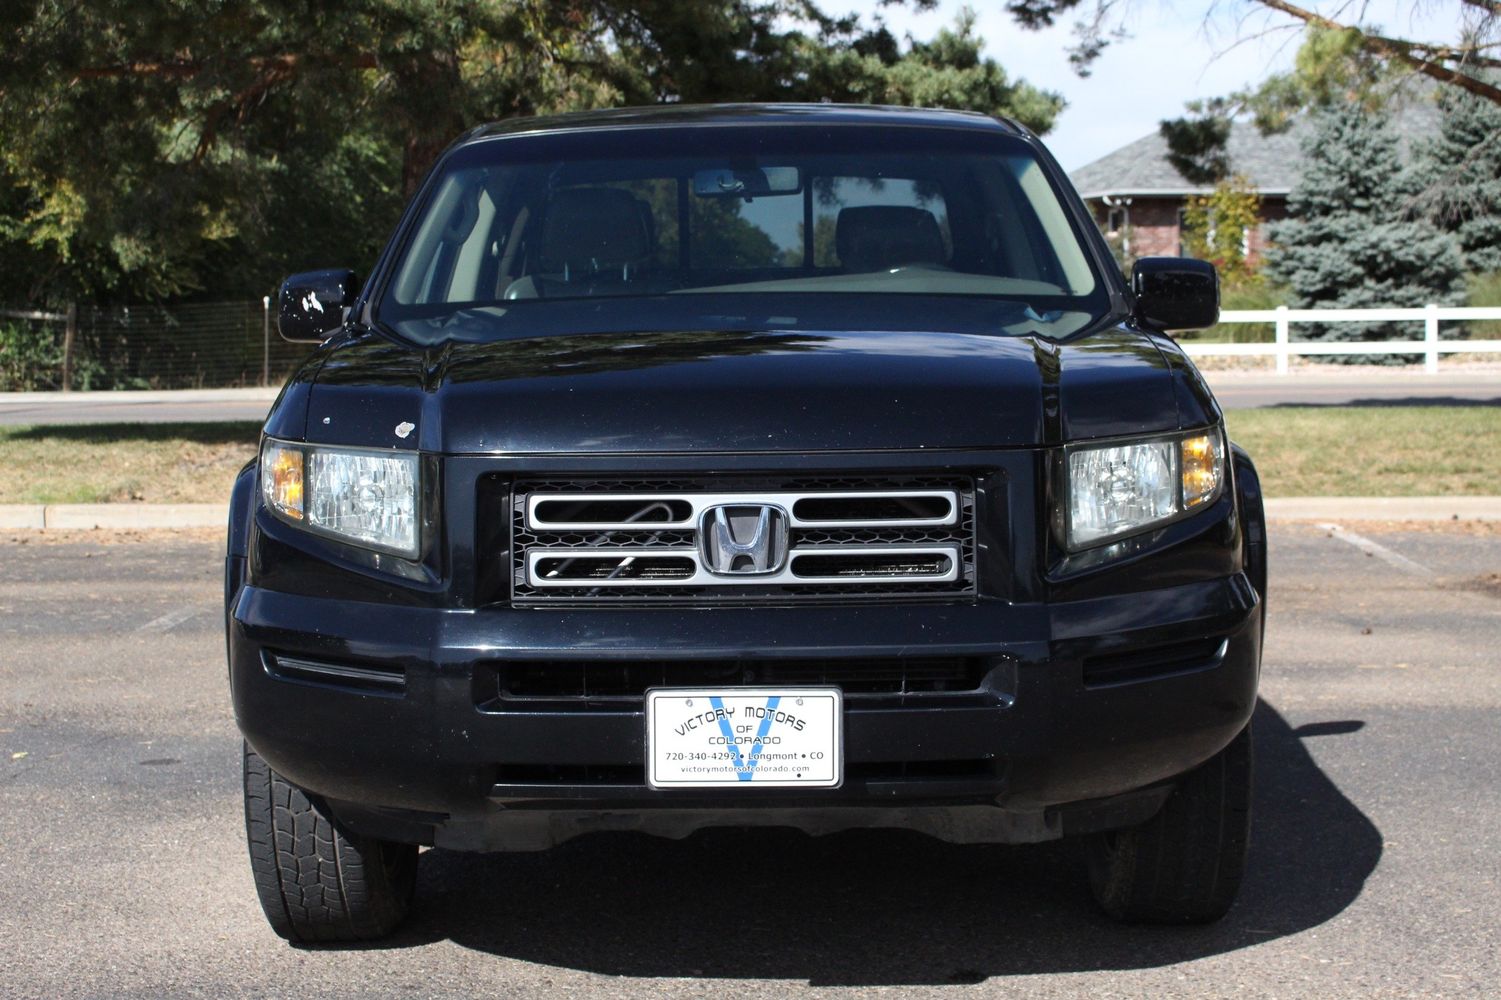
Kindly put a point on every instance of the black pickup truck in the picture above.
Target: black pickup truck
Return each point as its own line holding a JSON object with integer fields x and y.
{"x": 808, "y": 466}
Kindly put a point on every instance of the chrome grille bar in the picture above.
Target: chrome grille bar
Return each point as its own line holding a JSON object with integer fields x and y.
{"x": 944, "y": 560}
{"x": 930, "y": 508}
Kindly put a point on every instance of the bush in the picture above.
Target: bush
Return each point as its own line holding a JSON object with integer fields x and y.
{"x": 31, "y": 358}
{"x": 1484, "y": 290}
{"x": 1215, "y": 227}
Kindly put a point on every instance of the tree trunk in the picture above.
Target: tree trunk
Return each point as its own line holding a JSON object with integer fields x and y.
{"x": 420, "y": 152}
{"x": 434, "y": 112}
{"x": 70, "y": 335}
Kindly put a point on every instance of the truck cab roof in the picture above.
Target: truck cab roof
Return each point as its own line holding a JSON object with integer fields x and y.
{"x": 683, "y": 115}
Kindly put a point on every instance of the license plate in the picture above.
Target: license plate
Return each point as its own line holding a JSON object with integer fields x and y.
{"x": 766, "y": 737}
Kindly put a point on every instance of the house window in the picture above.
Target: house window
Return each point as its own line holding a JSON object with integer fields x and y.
{"x": 1115, "y": 221}
{"x": 1182, "y": 216}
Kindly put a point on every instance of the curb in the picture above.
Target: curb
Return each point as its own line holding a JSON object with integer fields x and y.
{"x": 1383, "y": 509}
{"x": 85, "y": 516}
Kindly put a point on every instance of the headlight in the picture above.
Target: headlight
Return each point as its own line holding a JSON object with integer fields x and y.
{"x": 1121, "y": 488}
{"x": 365, "y": 497}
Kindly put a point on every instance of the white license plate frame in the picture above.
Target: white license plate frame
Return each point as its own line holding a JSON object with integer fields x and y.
{"x": 745, "y": 737}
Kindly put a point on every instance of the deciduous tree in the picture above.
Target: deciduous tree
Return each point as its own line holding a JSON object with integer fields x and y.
{"x": 180, "y": 148}
{"x": 1461, "y": 61}
{"x": 1217, "y": 225}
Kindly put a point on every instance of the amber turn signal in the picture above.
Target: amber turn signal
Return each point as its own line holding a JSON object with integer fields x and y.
{"x": 1202, "y": 468}
{"x": 281, "y": 479}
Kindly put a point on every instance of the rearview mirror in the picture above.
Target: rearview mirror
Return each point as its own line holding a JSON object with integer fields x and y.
{"x": 755, "y": 182}
{"x": 1174, "y": 294}
{"x": 311, "y": 305}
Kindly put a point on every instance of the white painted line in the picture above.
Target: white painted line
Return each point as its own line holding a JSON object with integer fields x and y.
{"x": 1381, "y": 552}
{"x": 172, "y": 619}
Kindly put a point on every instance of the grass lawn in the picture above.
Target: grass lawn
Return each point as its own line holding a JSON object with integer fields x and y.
{"x": 1377, "y": 451}
{"x": 1300, "y": 451}
{"x": 104, "y": 463}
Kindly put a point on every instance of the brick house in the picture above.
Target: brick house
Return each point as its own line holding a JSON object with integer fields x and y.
{"x": 1138, "y": 197}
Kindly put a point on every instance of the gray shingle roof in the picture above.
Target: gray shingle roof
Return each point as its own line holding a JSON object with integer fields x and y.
{"x": 1272, "y": 162}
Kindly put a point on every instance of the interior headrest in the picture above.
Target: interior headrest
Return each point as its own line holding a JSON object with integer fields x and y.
{"x": 595, "y": 227}
{"x": 880, "y": 237}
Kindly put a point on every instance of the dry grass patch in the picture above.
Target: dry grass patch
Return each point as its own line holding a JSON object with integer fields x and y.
{"x": 109, "y": 463}
{"x": 1373, "y": 451}
{"x": 1300, "y": 451}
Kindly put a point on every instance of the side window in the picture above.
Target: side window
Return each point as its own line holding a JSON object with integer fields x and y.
{"x": 880, "y": 218}
{"x": 454, "y": 254}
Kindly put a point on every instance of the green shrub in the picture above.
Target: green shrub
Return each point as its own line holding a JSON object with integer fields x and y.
{"x": 31, "y": 358}
{"x": 1484, "y": 290}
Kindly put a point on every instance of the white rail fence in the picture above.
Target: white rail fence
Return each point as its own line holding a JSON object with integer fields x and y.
{"x": 1283, "y": 346}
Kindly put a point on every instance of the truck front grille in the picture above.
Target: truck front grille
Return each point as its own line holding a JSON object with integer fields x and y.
{"x": 739, "y": 540}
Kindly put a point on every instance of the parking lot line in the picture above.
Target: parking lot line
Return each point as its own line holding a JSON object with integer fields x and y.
{"x": 171, "y": 619}
{"x": 1381, "y": 552}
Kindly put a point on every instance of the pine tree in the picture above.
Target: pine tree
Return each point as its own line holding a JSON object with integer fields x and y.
{"x": 167, "y": 150}
{"x": 1351, "y": 240}
{"x": 1465, "y": 164}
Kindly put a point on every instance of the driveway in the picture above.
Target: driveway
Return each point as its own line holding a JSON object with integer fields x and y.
{"x": 1235, "y": 389}
{"x": 1373, "y": 869}
{"x": 152, "y": 407}
{"x": 1468, "y": 386}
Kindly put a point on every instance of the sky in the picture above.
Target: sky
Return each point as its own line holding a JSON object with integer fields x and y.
{"x": 1175, "y": 53}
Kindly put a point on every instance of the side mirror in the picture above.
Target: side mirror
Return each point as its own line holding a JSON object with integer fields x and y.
{"x": 311, "y": 305}
{"x": 1175, "y": 293}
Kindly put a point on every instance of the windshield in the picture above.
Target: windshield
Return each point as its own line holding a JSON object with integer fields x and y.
{"x": 744, "y": 220}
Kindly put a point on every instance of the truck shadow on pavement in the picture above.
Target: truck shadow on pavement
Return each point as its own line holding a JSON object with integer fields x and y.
{"x": 1389, "y": 401}
{"x": 878, "y": 907}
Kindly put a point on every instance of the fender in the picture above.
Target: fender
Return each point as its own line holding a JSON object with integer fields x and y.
{"x": 1253, "y": 516}
{"x": 237, "y": 545}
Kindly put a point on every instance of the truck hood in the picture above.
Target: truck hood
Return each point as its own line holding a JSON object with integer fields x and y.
{"x": 755, "y": 391}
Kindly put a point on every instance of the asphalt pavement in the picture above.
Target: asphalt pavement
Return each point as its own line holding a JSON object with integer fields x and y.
{"x": 1244, "y": 391}
{"x": 1469, "y": 385}
{"x": 1373, "y": 872}
{"x": 150, "y": 407}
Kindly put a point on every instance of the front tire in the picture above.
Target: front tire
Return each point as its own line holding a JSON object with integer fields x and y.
{"x": 317, "y": 881}
{"x": 1184, "y": 865}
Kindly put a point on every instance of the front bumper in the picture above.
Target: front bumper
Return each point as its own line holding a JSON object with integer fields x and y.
{"x": 1083, "y": 705}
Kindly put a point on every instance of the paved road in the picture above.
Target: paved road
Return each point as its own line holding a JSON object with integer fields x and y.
{"x": 1236, "y": 390}
{"x": 1373, "y": 872}
{"x": 195, "y": 406}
